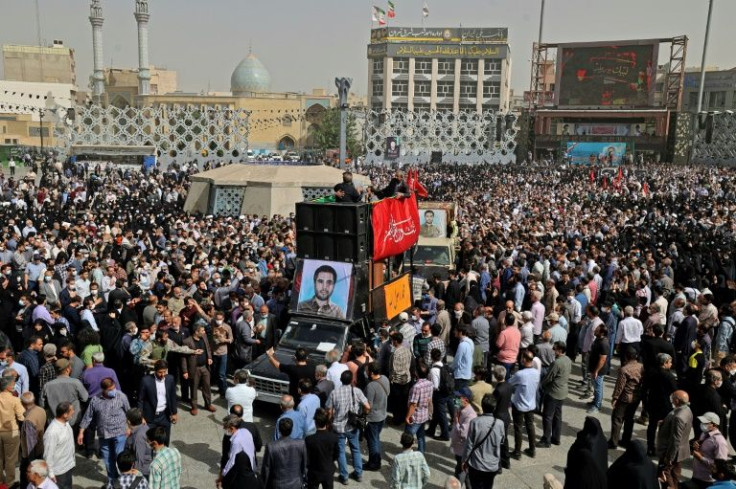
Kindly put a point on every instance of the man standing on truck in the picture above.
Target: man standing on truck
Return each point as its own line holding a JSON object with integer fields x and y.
{"x": 346, "y": 191}
{"x": 325, "y": 278}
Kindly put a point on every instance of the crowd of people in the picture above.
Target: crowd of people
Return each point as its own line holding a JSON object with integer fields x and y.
{"x": 116, "y": 305}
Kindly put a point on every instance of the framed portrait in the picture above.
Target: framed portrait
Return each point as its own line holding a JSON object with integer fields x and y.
{"x": 323, "y": 288}
{"x": 432, "y": 223}
{"x": 393, "y": 148}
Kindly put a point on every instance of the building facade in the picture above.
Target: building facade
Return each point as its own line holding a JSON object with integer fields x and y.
{"x": 40, "y": 64}
{"x": 121, "y": 84}
{"x": 719, "y": 93}
{"x": 443, "y": 69}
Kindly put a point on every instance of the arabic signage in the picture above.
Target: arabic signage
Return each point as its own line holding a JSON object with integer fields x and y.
{"x": 436, "y": 51}
{"x": 607, "y": 74}
{"x": 395, "y": 226}
{"x": 493, "y": 35}
{"x": 392, "y": 298}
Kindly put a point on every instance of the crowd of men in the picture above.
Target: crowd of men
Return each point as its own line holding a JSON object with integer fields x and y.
{"x": 115, "y": 305}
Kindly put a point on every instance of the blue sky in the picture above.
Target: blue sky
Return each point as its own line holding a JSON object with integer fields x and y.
{"x": 306, "y": 43}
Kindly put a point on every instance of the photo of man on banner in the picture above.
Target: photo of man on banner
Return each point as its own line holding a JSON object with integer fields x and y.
{"x": 393, "y": 148}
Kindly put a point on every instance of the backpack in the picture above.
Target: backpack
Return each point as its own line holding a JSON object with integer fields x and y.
{"x": 447, "y": 381}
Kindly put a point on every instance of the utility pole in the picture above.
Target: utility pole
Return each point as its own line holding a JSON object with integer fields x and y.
{"x": 701, "y": 88}
{"x": 343, "y": 87}
{"x": 40, "y": 115}
{"x": 541, "y": 23}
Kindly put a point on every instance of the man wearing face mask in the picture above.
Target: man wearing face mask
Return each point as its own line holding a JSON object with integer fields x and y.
{"x": 245, "y": 338}
{"x": 49, "y": 287}
{"x": 107, "y": 412}
{"x": 672, "y": 440}
{"x": 65, "y": 296}
{"x": 706, "y": 397}
{"x": 709, "y": 447}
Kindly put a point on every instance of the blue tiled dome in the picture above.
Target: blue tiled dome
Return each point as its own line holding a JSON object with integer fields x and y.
{"x": 250, "y": 76}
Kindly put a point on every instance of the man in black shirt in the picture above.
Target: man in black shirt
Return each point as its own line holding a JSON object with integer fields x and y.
{"x": 197, "y": 368}
{"x": 346, "y": 191}
{"x": 502, "y": 393}
{"x": 322, "y": 451}
{"x": 302, "y": 369}
{"x": 598, "y": 366}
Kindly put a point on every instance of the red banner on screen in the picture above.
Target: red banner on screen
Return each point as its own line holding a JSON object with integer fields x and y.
{"x": 395, "y": 226}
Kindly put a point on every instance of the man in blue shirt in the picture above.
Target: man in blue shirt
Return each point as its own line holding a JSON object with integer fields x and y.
{"x": 308, "y": 405}
{"x": 297, "y": 419}
{"x": 523, "y": 403}
{"x": 462, "y": 365}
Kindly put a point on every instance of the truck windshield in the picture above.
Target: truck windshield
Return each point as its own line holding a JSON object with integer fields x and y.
{"x": 431, "y": 255}
{"x": 313, "y": 337}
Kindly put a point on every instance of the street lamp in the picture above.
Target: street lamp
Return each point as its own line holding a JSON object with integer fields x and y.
{"x": 343, "y": 86}
{"x": 41, "y": 113}
{"x": 541, "y": 22}
{"x": 705, "y": 53}
{"x": 701, "y": 88}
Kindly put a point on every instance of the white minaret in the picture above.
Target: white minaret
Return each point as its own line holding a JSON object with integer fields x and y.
{"x": 144, "y": 74}
{"x": 98, "y": 77}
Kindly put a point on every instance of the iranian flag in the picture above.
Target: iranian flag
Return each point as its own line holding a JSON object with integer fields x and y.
{"x": 379, "y": 15}
{"x": 391, "y": 10}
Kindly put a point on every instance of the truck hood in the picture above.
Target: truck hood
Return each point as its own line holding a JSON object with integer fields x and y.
{"x": 261, "y": 367}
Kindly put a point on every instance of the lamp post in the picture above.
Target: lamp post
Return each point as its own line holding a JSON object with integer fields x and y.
{"x": 701, "y": 88}
{"x": 541, "y": 23}
{"x": 343, "y": 87}
{"x": 40, "y": 115}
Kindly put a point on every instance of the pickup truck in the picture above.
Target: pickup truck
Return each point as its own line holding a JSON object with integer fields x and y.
{"x": 316, "y": 335}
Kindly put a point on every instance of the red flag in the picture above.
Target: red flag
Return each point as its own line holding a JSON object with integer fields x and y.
{"x": 420, "y": 189}
{"x": 592, "y": 176}
{"x": 410, "y": 179}
{"x": 605, "y": 182}
{"x": 395, "y": 226}
{"x": 645, "y": 189}
{"x": 619, "y": 177}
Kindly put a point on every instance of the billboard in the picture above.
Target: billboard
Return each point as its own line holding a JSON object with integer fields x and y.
{"x": 323, "y": 288}
{"x": 607, "y": 74}
{"x": 595, "y": 153}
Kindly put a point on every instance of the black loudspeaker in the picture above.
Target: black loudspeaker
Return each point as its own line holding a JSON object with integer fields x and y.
{"x": 336, "y": 232}
{"x": 436, "y": 157}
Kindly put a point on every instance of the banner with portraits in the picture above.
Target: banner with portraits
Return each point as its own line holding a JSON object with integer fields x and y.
{"x": 323, "y": 288}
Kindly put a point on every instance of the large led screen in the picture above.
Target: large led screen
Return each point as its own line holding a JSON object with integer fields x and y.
{"x": 613, "y": 75}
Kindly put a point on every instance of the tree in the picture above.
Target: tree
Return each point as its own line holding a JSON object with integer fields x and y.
{"x": 327, "y": 133}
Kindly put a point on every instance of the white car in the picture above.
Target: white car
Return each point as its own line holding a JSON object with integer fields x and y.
{"x": 292, "y": 156}
{"x": 275, "y": 157}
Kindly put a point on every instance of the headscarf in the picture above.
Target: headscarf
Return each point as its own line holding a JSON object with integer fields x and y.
{"x": 633, "y": 469}
{"x": 587, "y": 459}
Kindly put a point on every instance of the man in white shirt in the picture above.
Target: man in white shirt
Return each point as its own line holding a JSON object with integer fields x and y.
{"x": 58, "y": 447}
{"x": 336, "y": 368}
{"x": 241, "y": 393}
{"x": 629, "y": 333}
{"x": 38, "y": 476}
